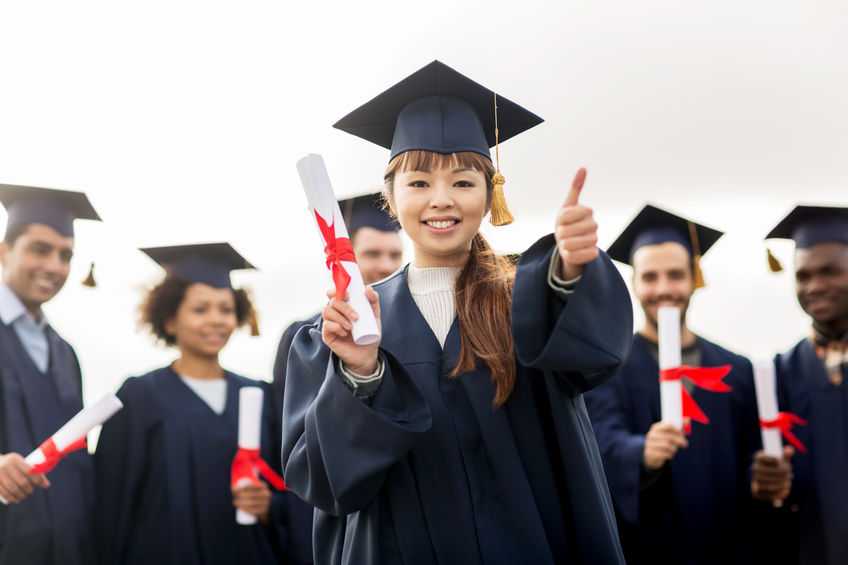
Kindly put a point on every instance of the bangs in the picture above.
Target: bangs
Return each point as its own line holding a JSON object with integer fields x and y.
{"x": 428, "y": 161}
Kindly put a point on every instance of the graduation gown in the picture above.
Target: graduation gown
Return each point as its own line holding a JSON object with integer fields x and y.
{"x": 163, "y": 474}
{"x": 694, "y": 510}
{"x": 820, "y": 486}
{"x": 428, "y": 470}
{"x": 52, "y": 526}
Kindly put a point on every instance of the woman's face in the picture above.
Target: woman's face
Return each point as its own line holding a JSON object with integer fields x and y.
{"x": 440, "y": 211}
{"x": 205, "y": 320}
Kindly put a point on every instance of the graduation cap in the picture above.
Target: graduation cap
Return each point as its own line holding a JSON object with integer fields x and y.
{"x": 654, "y": 226}
{"x": 808, "y": 226}
{"x": 440, "y": 110}
{"x": 57, "y": 209}
{"x": 367, "y": 211}
{"x": 206, "y": 263}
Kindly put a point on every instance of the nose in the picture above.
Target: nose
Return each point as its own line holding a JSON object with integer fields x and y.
{"x": 55, "y": 265}
{"x": 441, "y": 197}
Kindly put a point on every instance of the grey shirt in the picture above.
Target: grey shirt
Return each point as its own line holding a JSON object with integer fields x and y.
{"x": 31, "y": 332}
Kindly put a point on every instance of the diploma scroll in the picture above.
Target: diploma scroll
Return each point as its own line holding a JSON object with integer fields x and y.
{"x": 249, "y": 436}
{"x": 340, "y": 259}
{"x": 764, "y": 381}
{"x": 671, "y": 392}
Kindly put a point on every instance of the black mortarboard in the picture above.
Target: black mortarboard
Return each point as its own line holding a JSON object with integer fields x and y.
{"x": 811, "y": 225}
{"x": 440, "y": 110}
{"x": 207, "y": 263}
{"x": 437, "y": 109}
{"x": 653, "y": 226}
{"x": 367, "y": 210}
{"x": 55, "y": 208}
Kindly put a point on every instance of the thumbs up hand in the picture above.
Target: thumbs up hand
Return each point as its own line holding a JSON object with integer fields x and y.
{"x": 576, "y": 231}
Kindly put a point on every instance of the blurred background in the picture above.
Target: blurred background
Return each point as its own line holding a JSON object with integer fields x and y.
{"x": 183, "y": 120}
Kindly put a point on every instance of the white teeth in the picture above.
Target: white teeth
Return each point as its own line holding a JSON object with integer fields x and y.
{"x": 441, "y": 224}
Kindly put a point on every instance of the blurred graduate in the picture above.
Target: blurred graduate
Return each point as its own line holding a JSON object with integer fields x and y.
{"x": 164, "y": 462}
{"x": 44, "y": 521}
{"x": 680, "y": 498}
{"x": 462, "y": 436}
{"x": 811, "y": 379}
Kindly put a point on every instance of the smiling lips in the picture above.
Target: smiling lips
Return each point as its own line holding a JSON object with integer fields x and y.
{"x": 441, "y": 224}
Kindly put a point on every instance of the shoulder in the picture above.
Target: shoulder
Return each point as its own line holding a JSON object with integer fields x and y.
{"x": 137, "y": 387}
{"x": 718, "y": 350}
{"x": 242, "y": 381}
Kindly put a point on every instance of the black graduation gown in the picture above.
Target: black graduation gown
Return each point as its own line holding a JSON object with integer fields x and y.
{"x": 163, "y": 475}
{"x": 282, "y": 357}
{"x": 820, "y": 487}
{"x": 52, "y": 526}
{"x": 428, "y": 470}
{"x": 699, "y": 503}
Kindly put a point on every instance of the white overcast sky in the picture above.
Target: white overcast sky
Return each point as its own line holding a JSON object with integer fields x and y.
{"x": 183, "y": 120}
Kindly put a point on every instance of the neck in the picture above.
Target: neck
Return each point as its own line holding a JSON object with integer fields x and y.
{"x": 424, "y": 259}
{"x": 198, "y": 367}
{"x": 650, "y": 332}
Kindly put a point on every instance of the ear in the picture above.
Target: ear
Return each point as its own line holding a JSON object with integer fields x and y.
{"x": 171, "y": 326}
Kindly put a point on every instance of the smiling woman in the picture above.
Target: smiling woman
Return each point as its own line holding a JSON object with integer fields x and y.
{"x": 163, "y": 466}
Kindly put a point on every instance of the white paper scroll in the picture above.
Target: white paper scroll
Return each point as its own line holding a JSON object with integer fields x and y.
{"x": 671, "y": 393}
{"x": 249, "y": 434}
{"x": 319, "y": 194}
{"x": 78, "y": 427}
{"x": 764, "y": 381}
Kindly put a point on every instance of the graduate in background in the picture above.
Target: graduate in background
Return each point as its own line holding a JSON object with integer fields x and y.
{"x": 46, "y": 522}
{"x": 811, "y": 379}
{"x": 679, "y": 499}
{"x": 163, "y": 463}
{"x": 379, "y": 252}
{"x": 461, "y": 437}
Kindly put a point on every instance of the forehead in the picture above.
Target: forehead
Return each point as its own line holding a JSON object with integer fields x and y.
{"x": 661, "y": 257}
{"x": 820, "y": 255}
{"x": 204, "y": 292}
{"x": 46, "y": 234}
{"x": 372, "y": 238}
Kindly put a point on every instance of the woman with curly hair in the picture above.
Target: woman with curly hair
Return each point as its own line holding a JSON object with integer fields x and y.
{"x": 164, "y": 463}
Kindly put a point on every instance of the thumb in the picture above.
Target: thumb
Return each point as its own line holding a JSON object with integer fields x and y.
{"x": 576, "y": 187}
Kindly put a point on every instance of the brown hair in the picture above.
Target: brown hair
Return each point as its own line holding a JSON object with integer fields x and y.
{"x": 161, "y": 303}
{"x": 483, "y": 292}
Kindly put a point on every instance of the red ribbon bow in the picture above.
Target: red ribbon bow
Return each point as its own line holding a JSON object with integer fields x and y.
{"x": 337, "y": 249}
{"x": 707, "y": 378}
{"x": 784, "y": 422}
{"x": 248, "y": 464}
{"x": 52, "y": 455}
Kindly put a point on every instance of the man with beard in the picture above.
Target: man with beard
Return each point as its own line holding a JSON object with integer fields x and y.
{"x": 44, "y": 522}
{"x": 379, "y": 251}
{"x": 679, "y": 499}
{"x": 812, "y": 384}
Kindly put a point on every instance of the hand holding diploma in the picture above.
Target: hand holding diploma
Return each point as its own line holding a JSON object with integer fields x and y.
{"x": 339, "y": 254}
{"x": 576, "y": 231}
{"x": 251, "y": 497}
{"x": 69, "y": 438}
{"x": 337, "y": 333}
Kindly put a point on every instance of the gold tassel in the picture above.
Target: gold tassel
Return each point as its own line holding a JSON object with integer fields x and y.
{"x": 697, "y": 271}
{"x": 500, "y": 215}
{"x": 89, "y": 281}
{"x": 773, "y": 262}
{"x": 253, "y": 322}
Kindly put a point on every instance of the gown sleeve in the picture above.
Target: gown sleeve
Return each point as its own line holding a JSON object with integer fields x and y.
{"x": 337, "y": 449}
{"x": 583, "y": 338}
{"x": 119, "y": 463}
{"x": 621, "y": 450}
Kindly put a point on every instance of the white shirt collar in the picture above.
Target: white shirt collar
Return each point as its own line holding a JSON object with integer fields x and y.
{"x": 11, "y": 308}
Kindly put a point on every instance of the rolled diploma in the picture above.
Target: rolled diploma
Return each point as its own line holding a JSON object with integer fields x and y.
{"x": 249, "y": 434}
{"x": 671, "y": 394}
{"x": 764, "y": 382}
{"x": 77, "y": 427}
{"x": 319, "y": 194}
{"x": 83, "y": 422}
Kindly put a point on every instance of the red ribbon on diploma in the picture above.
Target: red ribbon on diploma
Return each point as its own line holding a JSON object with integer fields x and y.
{"x": 707, "y": 378}
{"x": 52, "y": 455}
{"x": 784, "y": 422}
{"x": 337, "y": 249}
{"x": 248, "y": 464}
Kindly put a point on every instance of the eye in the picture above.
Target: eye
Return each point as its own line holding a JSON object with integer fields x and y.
{"x": 418, "y": 184}
{"x": 463, "y": 184}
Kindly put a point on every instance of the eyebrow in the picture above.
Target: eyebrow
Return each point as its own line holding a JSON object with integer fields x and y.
{"x": 463, "y": 169}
